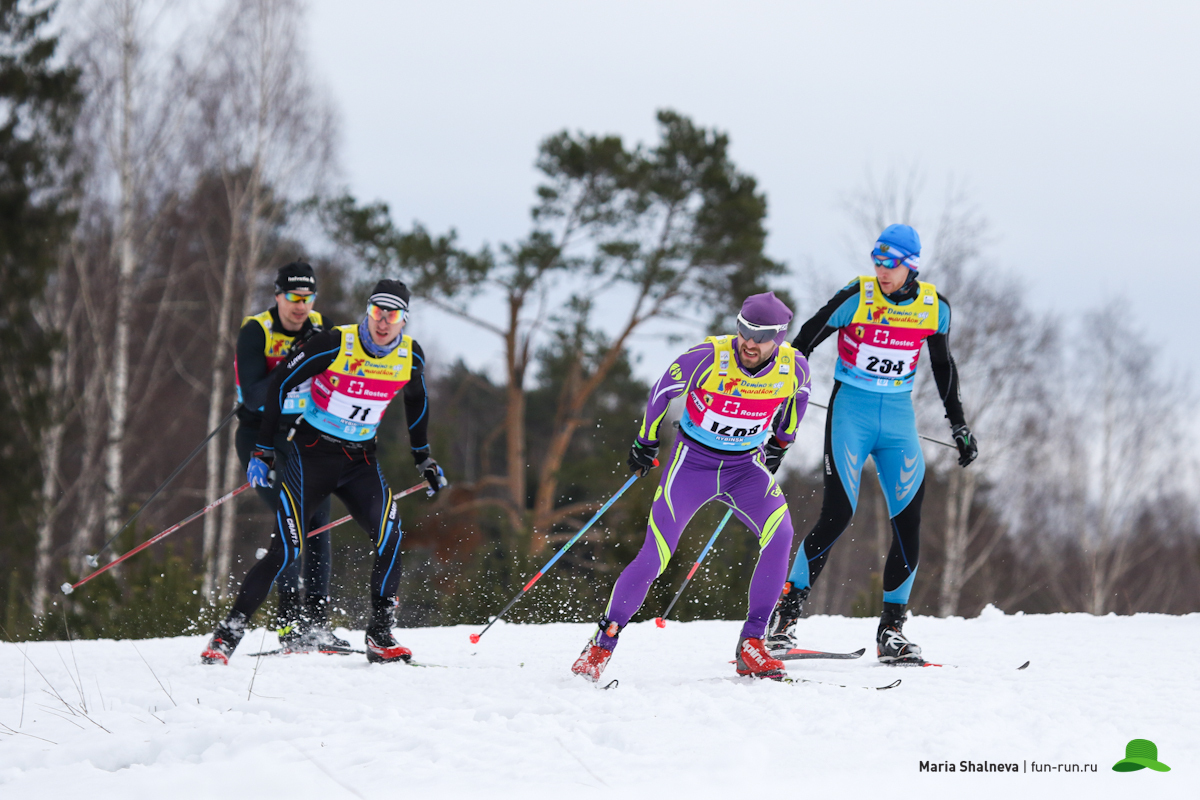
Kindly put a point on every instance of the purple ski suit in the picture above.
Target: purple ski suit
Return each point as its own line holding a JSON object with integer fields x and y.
{"x": 705, "y": 467}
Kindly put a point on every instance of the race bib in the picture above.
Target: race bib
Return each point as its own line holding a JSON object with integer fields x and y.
{"x": 886, "y": 361}
{"x": 730, "y": 418}
{"x": 355, "y": 402}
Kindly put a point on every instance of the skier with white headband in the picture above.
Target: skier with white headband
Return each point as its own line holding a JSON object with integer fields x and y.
{"x": 356, "y": 371}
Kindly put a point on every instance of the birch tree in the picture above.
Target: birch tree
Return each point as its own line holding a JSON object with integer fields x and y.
{"x": 1001, "y": 348}
{"x": 270, "y": 135}
{"x": 136, "y": 78}
{"x": 1127, "y": 419}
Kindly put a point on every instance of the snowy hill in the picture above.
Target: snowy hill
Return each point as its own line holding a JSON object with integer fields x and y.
{"x": 504, "y": 718}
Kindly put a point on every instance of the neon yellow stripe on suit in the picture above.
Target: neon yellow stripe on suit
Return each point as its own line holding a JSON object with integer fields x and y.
{"x": 664, "y": 556}
{"x": 383, "y": 520}
{"x": 652, "y": 434}
{"x": 297, "y": 511}
{"x": 773, "y": 523}
{"x": 771, "y": 483}
{"x": 676, "y": 463}
{"x": 664, "y": 552}
{"x": 793, "y": 423}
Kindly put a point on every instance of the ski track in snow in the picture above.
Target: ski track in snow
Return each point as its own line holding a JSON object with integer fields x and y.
{"x": 506, "y": 719}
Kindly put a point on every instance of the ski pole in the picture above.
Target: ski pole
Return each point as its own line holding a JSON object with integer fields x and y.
{"x": 67, "y": 588}
{"x": 93, "y": 560}
{"x": 662, "y": 621}
{"x": 476, "y": 636}
{"x": 923, "y": 436}
{"x": 347, "y": 518}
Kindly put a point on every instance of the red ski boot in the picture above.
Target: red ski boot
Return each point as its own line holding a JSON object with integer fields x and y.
{"x": 591, "y": 662}
{"x": 599, "y": 650}
{"x": 382, "y": 648}
{"x": 224, "y": 639}
{"x": 754, "y": 660}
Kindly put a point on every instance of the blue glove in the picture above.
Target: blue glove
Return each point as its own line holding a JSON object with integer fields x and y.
{"x": 259, "y": 471}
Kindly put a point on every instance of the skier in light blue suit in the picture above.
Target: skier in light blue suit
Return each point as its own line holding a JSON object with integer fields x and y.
{"x": 882, "y": 321}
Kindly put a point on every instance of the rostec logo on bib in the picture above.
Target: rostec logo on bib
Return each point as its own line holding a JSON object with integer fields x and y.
{"x": 731, "y": 417}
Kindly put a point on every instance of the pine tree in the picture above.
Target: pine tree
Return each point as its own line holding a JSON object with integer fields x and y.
{"x": 39, "y": 101}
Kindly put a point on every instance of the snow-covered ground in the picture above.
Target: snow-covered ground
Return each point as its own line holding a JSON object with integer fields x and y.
{"x": 504, "y": 718}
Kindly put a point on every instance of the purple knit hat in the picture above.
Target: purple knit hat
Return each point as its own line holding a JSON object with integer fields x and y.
{"x": 767, "y": 310}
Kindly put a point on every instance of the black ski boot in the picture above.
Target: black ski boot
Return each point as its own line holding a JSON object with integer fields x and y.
{"x": 891, "y": 645}
{"x": 224, "y": 639}
{"x": 382, "y": 647}
{"x": 781, "y": 630}
{"x": 289, "y": 621}
{"x": 319, "y": 636}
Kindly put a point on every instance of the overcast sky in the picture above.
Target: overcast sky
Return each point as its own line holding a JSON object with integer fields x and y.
{"x": 1074, "y": 124}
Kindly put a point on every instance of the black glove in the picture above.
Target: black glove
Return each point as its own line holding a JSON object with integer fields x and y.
{"x": 306, "y": 334}
{"x": 301, "y": 338}
{"x": 967, "y": 444}
{"x": 642, "y": 458}
{"x": 432, "y": 473}
{"x": 773, "y": 453}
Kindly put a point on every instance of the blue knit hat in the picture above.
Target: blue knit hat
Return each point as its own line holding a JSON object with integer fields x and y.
{"x": 901, "y": 242}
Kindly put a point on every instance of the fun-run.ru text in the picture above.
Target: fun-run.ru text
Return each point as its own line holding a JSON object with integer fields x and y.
{"x": 1036, "y": 767}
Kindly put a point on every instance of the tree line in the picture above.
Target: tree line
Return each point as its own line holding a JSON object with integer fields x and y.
{"x": 159, "y": 163}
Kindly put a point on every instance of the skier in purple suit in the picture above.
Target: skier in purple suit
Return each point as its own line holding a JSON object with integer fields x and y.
{"x": 745, "y": 396}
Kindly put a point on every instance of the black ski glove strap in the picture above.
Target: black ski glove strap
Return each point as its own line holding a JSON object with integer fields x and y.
{"x": 305, "y": 334}
{"x": 967, "y": 444}
{"x": 431, "y": 472}
{"x": 264, "y": 454}
{"x": 642, "y": 458}
{"x": 419, "y": 454}
{"x": 773, "y": 453}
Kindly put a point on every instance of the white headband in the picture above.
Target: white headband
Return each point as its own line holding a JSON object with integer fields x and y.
{"x": 387, "y": 300}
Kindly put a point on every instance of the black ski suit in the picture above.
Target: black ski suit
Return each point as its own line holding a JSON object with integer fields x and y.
{"x": 320, "y": 464}
{"x": 254, "y": 379}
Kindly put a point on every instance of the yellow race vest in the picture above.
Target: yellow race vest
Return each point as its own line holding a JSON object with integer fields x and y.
{"x": 351, "y": 396}
{"x": 878, "y": 350}
{"x": 731, "y": 411}
{"x": 276, "y": 348}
